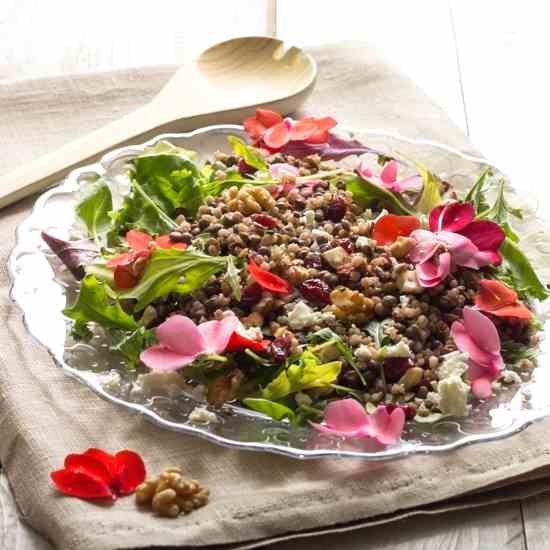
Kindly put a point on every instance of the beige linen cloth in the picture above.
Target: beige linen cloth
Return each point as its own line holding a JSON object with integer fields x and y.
{"x": 256, "y": 498}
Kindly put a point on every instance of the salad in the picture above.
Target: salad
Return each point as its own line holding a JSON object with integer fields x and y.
{"x": 310, "y": 278}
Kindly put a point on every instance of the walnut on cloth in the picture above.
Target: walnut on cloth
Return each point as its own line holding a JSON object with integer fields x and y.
{"x": 170, "y": 494}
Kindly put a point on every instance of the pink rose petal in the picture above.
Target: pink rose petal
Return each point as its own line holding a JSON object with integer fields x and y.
{"x": 181, "y": 335}
{"x": 481, "y": 388}
{"x": 364, "y": 171}
{"x": 465, "y": 253}
{"x": 482, "y": 330}
{"x": 408, "y": 184}
{"x": 388, "y": 175}
{"x": 464, "y": 342}
{"x": 386, "y": 427}
{"x": 216, "y": 334}
{"x": 432, "y": 272}
{"x": 346, "y": 415}
{"x": 427, "y": 245}
{"x": 281, "y": 169}
{"x": 160, "y": 358}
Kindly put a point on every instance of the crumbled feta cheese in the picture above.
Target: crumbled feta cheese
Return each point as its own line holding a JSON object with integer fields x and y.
{"x": 159, "y": 383}
{"x": 363, "y": 353}
{"x": 201, "y": 415}
{"x": 254, "y": 333}
{"x": 336, "y": 256}
{"x": 453, "y": 395}
{"x": 401, "y": 349}
{"x": 453, "y": 363}
{"x": 434, "y": 398}
{"x": 320, "y": 234}
{"x": 110, "y": 381}
{"x": 302, "y": 398}
{"x": 309, "y": 216}
{"x": 302, "y": 316}
{"x": 510, "y": 377}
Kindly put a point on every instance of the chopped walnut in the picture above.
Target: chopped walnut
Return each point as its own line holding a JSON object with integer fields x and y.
{"x": 351, "y": 305}
{"x": 407, "y": 282}
{"x": 402, "y": 246}
{"x": 249, "y": 199}
{"x": 170, "y": 495}
{"x": 224, "y": 388}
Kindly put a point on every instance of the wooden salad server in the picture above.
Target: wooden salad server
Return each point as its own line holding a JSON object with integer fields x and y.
{"x": 223, "y": 85}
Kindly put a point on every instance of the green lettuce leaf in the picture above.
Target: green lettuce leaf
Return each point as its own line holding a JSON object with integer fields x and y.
{"x": 306, "y": 373}
{"x": 431, "y": 191}
{"x": 95, "y": 208}
{"x": 251, "y": 155}
{"x": 476, "y": 193}
{"x": 95, "y": 303}
{"x": 369, "y": 195}
{"x": 166, "y": 268}
{"x": 270, "y": 408}
{"x": 522, "y": 271}
{"x": 131, "y": 344}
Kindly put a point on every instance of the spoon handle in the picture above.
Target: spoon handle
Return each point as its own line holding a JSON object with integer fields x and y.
{"x": 53, "y": 167}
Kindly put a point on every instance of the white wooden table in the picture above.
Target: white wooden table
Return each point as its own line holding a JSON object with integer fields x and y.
{"x": 483, "y": 61}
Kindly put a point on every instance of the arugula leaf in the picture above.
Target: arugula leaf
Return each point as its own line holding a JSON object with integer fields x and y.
{"x": 368, "y": 195}
{"x": 81, "y": 333}
{"x": 95, "y": 208}
{"x": 376, "y": 330}
{"x": 94, "y": 303}
{"x": 330, "y": 338}
{"x": 522, "y": 271}
{"x": 270, "y": 408}
{"x": 131, "y": 344}
{"x": 476, "y": 193}
{"x": 165, "y": 269}
{"x": 251, "y": 155}
{"x": 307, "y": 372}
{"x": 234, "y": 278}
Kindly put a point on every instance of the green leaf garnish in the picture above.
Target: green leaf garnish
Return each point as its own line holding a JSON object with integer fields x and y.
{"x": 307, "y": 372}
{"x": 369, "y": 195}
{"x": 250, "y": 154}
{"x": 95, "y": 303}
{"x": 329, "y": 339}
{"x": 166, "y": 268}
{"x": 131, "y": 344}
{"x": 234, "y": 278}
{"x": 94, "y": 210}
{"x": 270, "y": 408}
{"x": 476, "y": 193}
{"x": 431, "y": 190}
{"x": 522, "y": 271}
{"x": 377, "y": 330}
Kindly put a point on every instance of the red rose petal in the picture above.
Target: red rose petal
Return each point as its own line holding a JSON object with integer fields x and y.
{"x": 277, "y": 136}
{"x": 254, "y": 128}
{"x": 494, "y": 295}
{"x": 268, "y": 118}
{"x": 238, "y": 342}
{"x": 485, "y": 234}
{"x": 79, "y": 484}
{"x": 389, "y": 227}
{"x": 119, "y": 260}
{"x": 164, "y": 241}
{"x": 268, "y": 280}
{"x": 130, "y": 472}
{"x": 303, "y": 129}
{"x": 320, "y": 136}
{"x": 89, "y": 465}
{"x": 515, "y": 311}
{"x": 138, "y": 240}
{"x": 108, "y": 460}
{"x": 325, "y": 123}
{"x": 451, "y": 217}
{"x": 124, "y": 278}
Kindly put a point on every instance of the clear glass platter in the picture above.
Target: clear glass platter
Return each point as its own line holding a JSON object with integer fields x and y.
{"x": 42, "y": 287}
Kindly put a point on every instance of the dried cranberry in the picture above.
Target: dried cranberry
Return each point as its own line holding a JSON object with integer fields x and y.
{"x": 245, "y": 169}
{"x": 336, "y": 210}
{"x": 251, "y": 295}
{"x": 351, "y": 379}
{"x": 313, "y": 260}
{"x": 395, "y": 368}
{"x": 279, "y": 349}
{"x": 265, "y": 221}
{"x": 346, "y": 244}
{"x": 409, "y": 410}
{"x": 316, "y": 291}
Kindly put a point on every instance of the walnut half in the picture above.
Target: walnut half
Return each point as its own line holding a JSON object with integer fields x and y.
{"x": 170, "y": 495}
